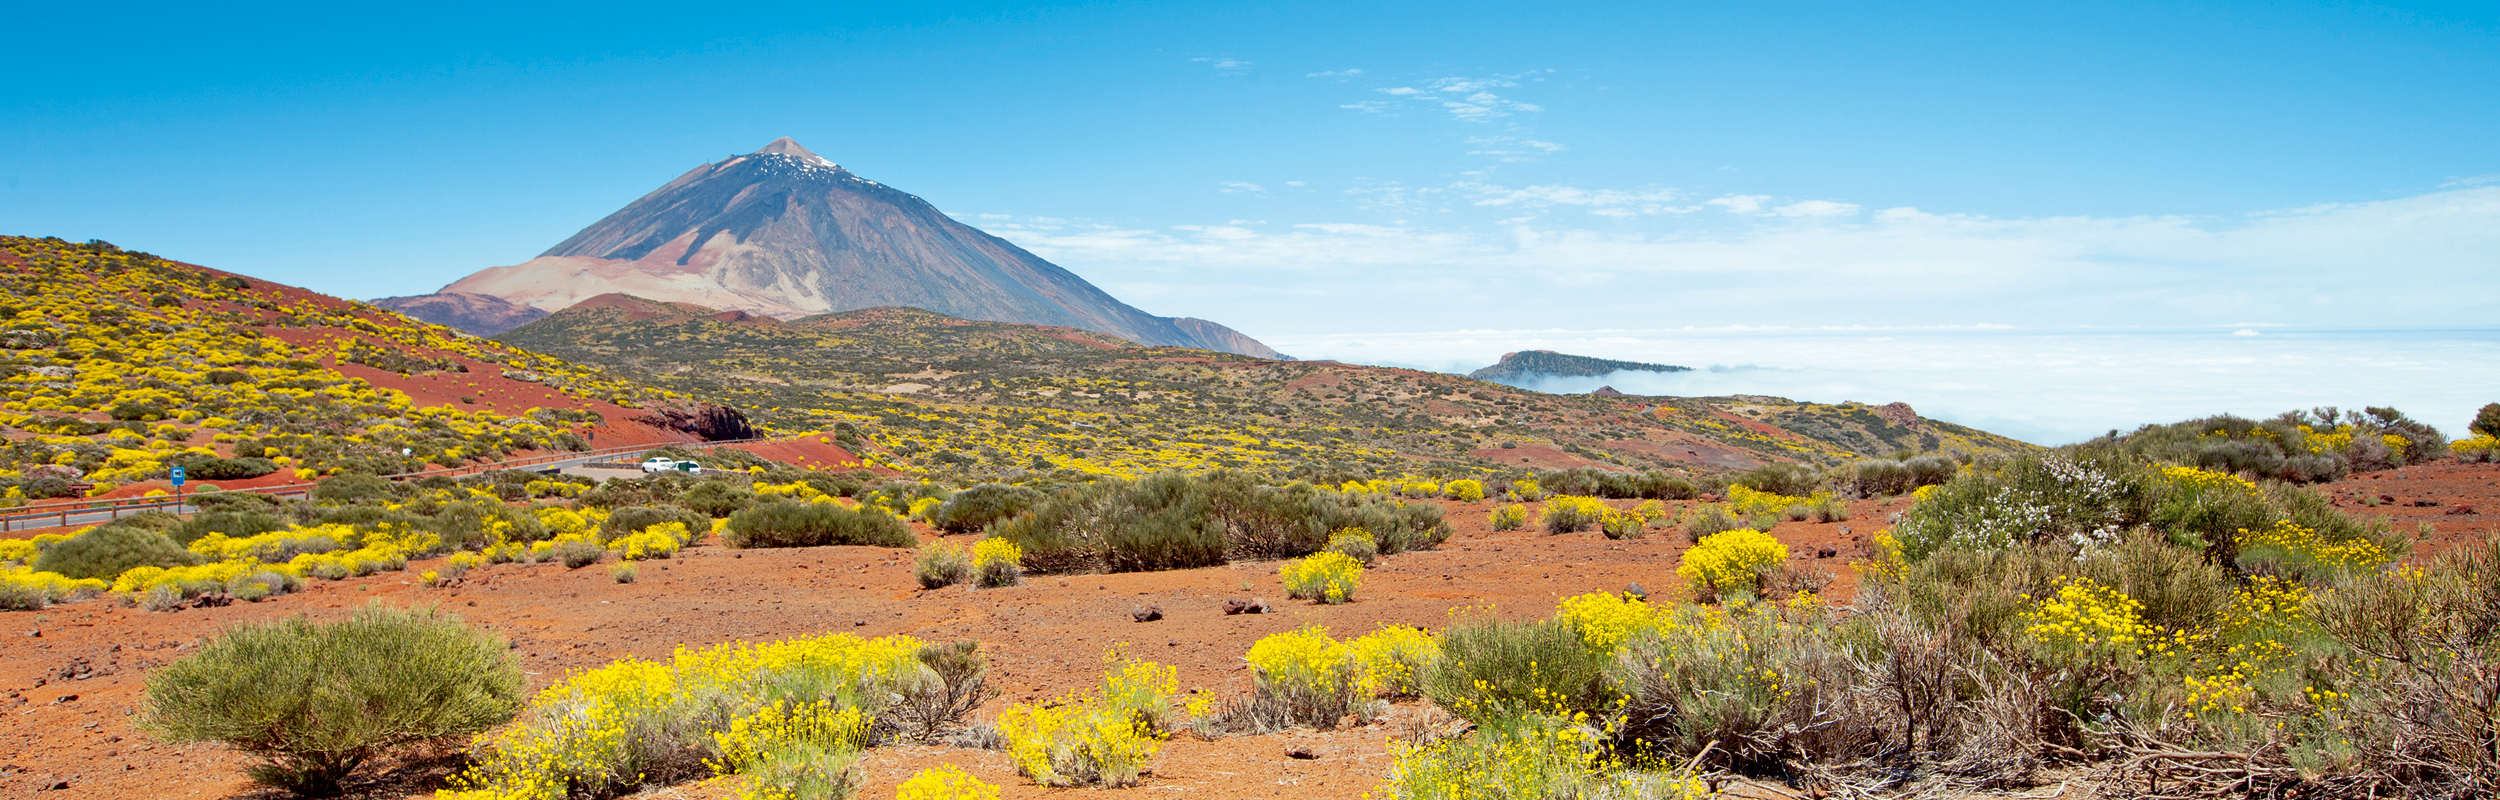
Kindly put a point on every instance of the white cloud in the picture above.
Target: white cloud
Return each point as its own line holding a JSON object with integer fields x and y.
{"x": 1464, "y": 98}
{"x": 1368, "y": 106}
{"x": 1740, "y": 203}
{"x": 1817, "y": 208}
{"x": 1243, "y": 187}
{"x": 1293, "y": 183}
{"x": 1812, "y": 262}
{"x": 1336, "y": 73}
{"x": 1549, "y": 147}
{"x": 1224, "y": 65}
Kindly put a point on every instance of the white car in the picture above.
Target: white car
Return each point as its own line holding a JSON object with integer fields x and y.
{"x": 659, "y": 464}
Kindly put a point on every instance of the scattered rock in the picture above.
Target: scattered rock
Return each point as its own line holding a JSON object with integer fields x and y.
{"x": 2425, "y": 504}
{"x": 2459, "y": 509}
{"x": 61, "y": 786}
{"x": 1301, "y": 751}
{"x": 1145, "y": 613}
{"x": 1635, "y": 591}
{"x": 859, "y": 623}
{"x": 1255, "y": 606}
{"x": 1826, "y": 553}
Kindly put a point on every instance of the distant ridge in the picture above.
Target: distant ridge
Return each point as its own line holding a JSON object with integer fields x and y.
{"x": 484, "y": 315}
{"x": 785, "y": 233}
{"x": 1522, "y": 367}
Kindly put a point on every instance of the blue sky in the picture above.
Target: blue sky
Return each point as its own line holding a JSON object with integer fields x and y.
{"x": 1304, "y": 168}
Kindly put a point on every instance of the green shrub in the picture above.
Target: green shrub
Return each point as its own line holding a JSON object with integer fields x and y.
{"x": 1879, "y": 478}
{"x": 1491, "y": 669}
{"x": 314, "y": 700}
{"x": 976, "y": 508}
{"x": 940, "y": 564}
{"x": 1931, "y": 470}
{"x": 110, "y": 550}
{"x": 1763, "y": 686}
{"x": 2487, "y": 420}
{"x": 784, "y": 523}
{"x": 234, "y": 501}
{"x": 717, "y": 498}
{"x": 347, "y": 488}
{"x": 577, "y": 554}
{"x": 1174, "y": 521}
{"x": 1787, "y": 479}
{"x": 236, "y": 523}
{"x": 1711, "y": 519}
{"x": 1830, "y": 509}
{"x": 211, "y": 468}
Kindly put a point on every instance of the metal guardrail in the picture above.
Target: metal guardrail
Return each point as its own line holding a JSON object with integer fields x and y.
{"x": 62, "y": 511}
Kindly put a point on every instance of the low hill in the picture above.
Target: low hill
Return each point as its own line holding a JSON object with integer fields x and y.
{"x": 121, "y": 364}
{"x": 476, "y": 313}
{"x": 965, "y": 398}
{"x": 1526, "y": 367}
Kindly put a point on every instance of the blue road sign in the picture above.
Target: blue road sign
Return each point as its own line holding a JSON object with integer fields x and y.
{"x": 178, "y": 476}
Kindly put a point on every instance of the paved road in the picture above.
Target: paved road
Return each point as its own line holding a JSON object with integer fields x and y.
{"x": 11, "y": 522}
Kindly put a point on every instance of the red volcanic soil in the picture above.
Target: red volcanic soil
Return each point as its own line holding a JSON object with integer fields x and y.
{"x": 1046, "y": 638}
{"x": 812, "y": 452}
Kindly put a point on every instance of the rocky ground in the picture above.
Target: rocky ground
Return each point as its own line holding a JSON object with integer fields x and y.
{"x": 71, "y": 677}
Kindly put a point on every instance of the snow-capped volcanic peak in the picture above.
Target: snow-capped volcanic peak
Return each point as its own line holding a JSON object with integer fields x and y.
{"x": 787, "y": 146}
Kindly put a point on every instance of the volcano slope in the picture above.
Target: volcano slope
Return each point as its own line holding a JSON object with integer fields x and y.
{"x": 964, "y": 399}
{"x": 119, "y": 365}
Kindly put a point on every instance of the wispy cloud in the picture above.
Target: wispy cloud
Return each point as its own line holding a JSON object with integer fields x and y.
{"x": 1241, "y": 187}
{"x": 1224, "y": 65}
{"x": 1468, "y": 99}
{"x": 1342, "y": 75}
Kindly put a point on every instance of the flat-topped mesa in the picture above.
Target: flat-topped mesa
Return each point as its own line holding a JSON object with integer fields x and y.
{"x": 783, "y": 232}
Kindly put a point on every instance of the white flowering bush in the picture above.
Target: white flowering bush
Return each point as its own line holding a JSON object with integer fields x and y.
{"x": 2086, "y": 501}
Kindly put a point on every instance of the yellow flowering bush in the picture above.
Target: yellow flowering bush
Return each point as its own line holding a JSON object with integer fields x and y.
{"x": 2086, "y": 622}
{"x": 1463, "y": 490}
{"x": 1607, "y": 621}
{"x": 1307, "y": 674}
{"x": 1103, "y": 739}
{"x": 1530, "y": 755}
{"x": 2303, "y": 544}
{"x": 27, "y": 590}
{"x": 1732, "y": 563}
{"x": 1746, "y": 502}
{"x": 1392, "y": 661}
{"x": 1509, "y": 517}
{"x": 1327, "y": 577}
{"x": 944, "y": 782}
{"x": 778, "y": 713}
{"x": 997, "y": 562}
{"x": 657, "y": 541}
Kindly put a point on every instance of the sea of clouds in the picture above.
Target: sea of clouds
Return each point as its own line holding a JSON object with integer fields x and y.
{"x": 2043, "y": 386}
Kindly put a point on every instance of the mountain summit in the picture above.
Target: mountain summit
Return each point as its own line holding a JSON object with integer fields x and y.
{"x": 783, "y": 232}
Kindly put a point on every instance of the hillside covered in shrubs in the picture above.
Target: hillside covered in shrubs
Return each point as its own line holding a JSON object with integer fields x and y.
{"x": 117, "y": 366}
{"x": 963, "y": 399}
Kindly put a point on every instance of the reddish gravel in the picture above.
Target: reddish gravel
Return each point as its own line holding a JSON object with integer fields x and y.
{"x": 1046, "y": 638}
